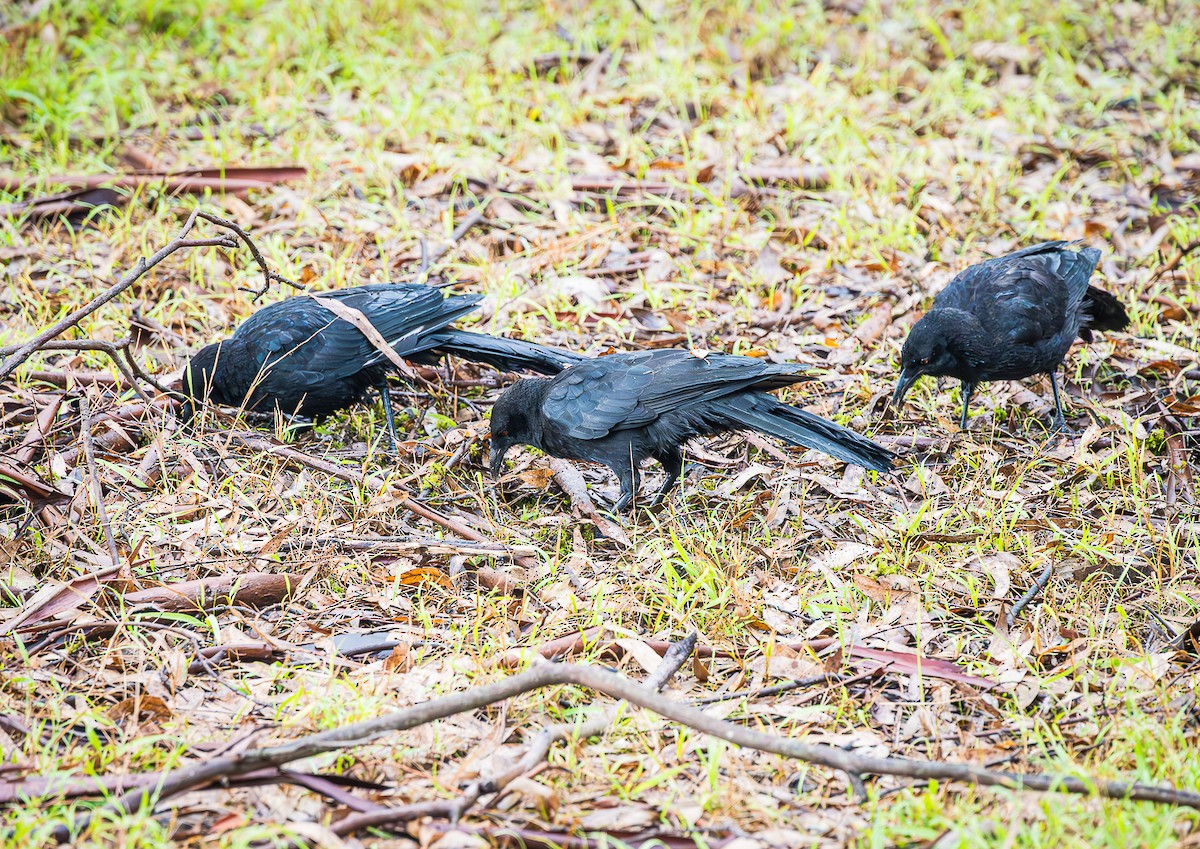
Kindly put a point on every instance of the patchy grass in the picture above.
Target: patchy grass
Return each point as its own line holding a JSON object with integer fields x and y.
{"x": 943, "y": 134}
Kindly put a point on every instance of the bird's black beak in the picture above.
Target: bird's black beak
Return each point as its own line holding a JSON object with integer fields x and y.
{"x": 908, "y": 376}
{"x": 499, "y": 449}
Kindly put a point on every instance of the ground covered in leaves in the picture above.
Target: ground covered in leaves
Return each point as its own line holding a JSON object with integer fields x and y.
{"x": 793, "y": 183}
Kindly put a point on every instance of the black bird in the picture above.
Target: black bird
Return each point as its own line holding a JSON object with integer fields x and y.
{"x": 625, "y": 408}
{"x": 298, "y": 357}
{"x": 1009, "y": 318}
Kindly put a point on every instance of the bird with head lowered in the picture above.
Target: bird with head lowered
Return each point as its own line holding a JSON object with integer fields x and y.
{"x": 622, "y": 409}
{"x": 1009, "y": 318}
{"x": 301, "y": 358}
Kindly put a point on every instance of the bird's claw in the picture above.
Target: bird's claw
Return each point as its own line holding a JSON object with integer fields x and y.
{"x": 1060, "y": 429}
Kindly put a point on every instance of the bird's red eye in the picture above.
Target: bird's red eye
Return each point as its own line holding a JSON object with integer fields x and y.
{"x": 502, "y": 433}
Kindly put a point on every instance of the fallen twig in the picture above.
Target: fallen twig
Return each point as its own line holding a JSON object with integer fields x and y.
{"x": 255, "y": 589}
{"x": 68, "y": 377}
{"x": 207, "y": 656}
{"x": 571, "y": 644}
{"x": 1175, "y": 261}
{"x": 617, "y": 686}
{"x": 571, "y": 481}
{"x": 1030, "y": 594}
{"x": 97, "y": 485}
{"x": 128, "y": 367}
{"x": 22, "y": 353}
{"x": 534, "y": 757}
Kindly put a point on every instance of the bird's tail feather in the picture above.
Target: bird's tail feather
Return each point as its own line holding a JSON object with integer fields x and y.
{"x": 800, "y": 427}
{"x": 504, "y": 354}
{"x": 1104, "y": 312}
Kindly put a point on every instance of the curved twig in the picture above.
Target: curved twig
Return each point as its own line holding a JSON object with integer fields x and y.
{"x": 1175, "y": 261}
{"x": 178, "y": 781}
{"x": 128, "y": 367}
{"x": 534, "y": 757}
{"x": 269, "y": 276}
{"x": 22, "y": 353}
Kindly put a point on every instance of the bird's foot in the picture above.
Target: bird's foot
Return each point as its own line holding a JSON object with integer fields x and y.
{"x": 660, "y": 496}
{"x": 1060, "y": 430}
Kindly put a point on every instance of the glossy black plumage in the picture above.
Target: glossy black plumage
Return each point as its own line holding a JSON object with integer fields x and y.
{"x": 622, "y": 409}
{"x": 296, "y": 356}
{"x": 1009, "y": 318}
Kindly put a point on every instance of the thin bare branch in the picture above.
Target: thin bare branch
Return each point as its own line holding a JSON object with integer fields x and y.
{"x": 645, "y": 696}
{"x": 533, "y": 759}
{"x": 1175, "y": 261}
{"x": 672, "y": 661}
{"x": 21, "y": 353}
{"x": 128, "y": 367}
{"x": 269, "y": 276}
{"x": 97, "y": 486}
{"x": 180, "y": 242}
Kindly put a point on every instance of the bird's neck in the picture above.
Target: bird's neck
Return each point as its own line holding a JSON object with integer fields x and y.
{"x": 531, "y": 392}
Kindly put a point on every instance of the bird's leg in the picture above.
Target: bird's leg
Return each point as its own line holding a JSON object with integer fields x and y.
{"x": 389, "y": 415}
{"x": 1060, "y": 422}
{"x": 968, "y": 389}
{"x": 672, "y": 462}
{"x": 630, "y": 480}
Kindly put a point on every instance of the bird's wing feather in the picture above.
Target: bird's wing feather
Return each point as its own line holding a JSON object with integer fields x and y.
{"x": 317, "y": 343}
{"x": 1026, "y": 296}
{"x": 594, "y": 398}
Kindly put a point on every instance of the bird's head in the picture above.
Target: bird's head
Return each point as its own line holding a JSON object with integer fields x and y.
{"x": 929, "y": 349}
{"x": 199, "y": 380}
{"x": 516, "y": 419}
